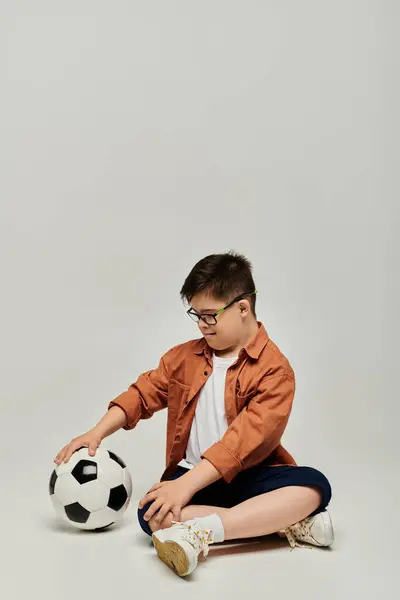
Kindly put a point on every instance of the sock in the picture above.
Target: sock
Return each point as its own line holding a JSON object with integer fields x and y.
{"x": 213, "y": 523}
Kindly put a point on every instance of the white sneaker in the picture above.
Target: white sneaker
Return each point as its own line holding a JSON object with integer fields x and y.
{"x": 316, "y": 530}
{"x": 180, "y": 545}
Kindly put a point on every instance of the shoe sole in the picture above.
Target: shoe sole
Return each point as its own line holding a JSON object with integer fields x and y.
{"x": 172, "y": 555}
{"x": 328, "y": 529}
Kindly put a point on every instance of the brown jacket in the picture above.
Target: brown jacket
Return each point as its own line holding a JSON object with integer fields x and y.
{"x": 259, "y": 392}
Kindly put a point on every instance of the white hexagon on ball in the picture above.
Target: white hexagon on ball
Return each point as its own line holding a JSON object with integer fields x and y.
{"x": 110, "y": 473}
{"x": 102, "y": 518}
{"x": 66, "y": 489}
{"x": 93, "y": 495}
{"x": 58, "y": 507}
{"x": 127, "y": 481}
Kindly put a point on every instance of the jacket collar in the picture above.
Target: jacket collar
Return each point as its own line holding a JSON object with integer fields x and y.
{"x": 253, "y": 348}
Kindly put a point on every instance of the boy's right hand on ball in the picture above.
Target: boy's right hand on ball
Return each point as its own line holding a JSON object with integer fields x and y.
{"x": 90, "y": 439}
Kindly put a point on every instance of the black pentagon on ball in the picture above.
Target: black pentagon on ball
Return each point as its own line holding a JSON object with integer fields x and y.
{"x": 85, "y": 471}
{"x": 52, "y": 482}
{"x": 118, "y": 497}
{"x": 117, "y": 459}
{"x": 75, "y": 512}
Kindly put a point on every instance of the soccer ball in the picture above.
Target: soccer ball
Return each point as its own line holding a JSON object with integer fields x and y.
{"x": 91, "y": 492}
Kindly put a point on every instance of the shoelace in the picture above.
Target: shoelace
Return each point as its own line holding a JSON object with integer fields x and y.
{"x": 299, "y": 531}
{"x": 199, "y": 539}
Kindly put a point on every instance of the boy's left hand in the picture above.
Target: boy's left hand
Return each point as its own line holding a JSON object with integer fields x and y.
{"x": 167, "y": 496}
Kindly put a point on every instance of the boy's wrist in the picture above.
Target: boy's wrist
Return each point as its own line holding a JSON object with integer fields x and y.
{"x": 114, "y": 419}
{"x": 201, "y": 476}
{"x": 96, "y": 431}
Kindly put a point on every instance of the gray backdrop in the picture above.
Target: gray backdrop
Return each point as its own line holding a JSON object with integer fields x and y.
{"x": 137, "y": 137}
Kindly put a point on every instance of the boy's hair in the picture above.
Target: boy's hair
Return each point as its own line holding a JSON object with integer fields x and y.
{"x": 225, "y": 276}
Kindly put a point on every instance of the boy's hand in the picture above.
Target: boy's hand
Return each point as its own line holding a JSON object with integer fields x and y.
{"x": 167, "y": 496}
{"x": 91, "y": 440}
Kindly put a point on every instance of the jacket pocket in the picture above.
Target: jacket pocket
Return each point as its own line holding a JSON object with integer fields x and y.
{"x": 177, "y": 394}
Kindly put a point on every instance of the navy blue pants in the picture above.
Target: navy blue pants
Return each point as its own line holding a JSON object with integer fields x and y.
{"x": 250, "y": 483}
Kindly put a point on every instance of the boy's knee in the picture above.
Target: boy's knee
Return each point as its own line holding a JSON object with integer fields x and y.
{"x": 145, "y": 525}
{"x": 154, "y": 523}
{"x": 319, "y": 482}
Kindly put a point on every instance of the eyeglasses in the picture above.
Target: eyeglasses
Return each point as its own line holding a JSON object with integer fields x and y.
{"x": 211, "y": 319}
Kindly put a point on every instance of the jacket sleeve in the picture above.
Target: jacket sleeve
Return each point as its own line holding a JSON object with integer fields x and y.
{"x": 147, "y": 395}
{"x": 257, "y": 430}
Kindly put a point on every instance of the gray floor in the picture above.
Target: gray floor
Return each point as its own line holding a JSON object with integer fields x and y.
{"x": 44, "y": 558}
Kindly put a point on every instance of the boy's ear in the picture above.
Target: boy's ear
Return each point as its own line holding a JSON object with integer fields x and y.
{"x": 244, "y": 306}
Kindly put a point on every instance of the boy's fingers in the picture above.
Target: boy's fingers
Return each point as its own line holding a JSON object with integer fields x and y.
{"x": 65, "y": 453}
{"x": 148, "y": 498}
{"x": 162, "y": 513}
{"x": 154, "y": 487}
{"x": 153, "y": 509}
{"x": 69, "y": 453}
{"x": 59, "y": 456}
{"x": 92, "y": 449}
{"x": 73, "y": 447}
{"x": 176, "y": 513}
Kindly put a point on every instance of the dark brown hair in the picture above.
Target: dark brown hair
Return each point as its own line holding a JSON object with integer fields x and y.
{"x": 225, "y": 276}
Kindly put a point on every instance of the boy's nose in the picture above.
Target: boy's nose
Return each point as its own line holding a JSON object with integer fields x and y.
{"x": 204, "y": 327}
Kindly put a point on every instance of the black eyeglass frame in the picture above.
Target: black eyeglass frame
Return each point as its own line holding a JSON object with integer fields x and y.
{"x": 196, "y": 316}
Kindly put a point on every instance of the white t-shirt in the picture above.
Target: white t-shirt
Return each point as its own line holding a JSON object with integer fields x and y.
{"x": 209, "y": 423}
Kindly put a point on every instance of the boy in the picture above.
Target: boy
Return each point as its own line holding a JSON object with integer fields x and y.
{"x": 229, "y": 395}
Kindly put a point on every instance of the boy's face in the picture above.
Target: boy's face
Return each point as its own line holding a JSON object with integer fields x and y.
{"x": 231, "y": 323}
